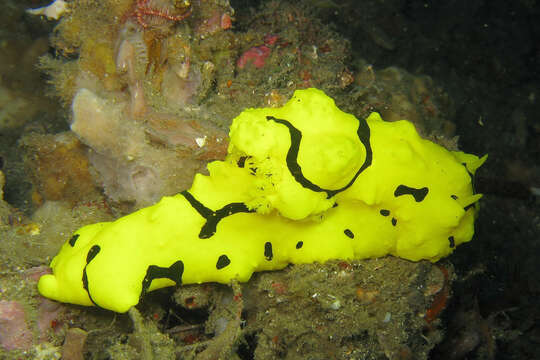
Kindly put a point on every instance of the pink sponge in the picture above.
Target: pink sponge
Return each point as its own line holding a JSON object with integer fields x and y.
{"x": 14, "y": 332}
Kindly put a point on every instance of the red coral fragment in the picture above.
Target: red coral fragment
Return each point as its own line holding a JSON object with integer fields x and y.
{"x": 257, "y": 55}
{"x": 440, "y": 300}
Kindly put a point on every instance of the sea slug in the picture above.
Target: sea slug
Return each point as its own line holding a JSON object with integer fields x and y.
{"x": 302, "y": 183}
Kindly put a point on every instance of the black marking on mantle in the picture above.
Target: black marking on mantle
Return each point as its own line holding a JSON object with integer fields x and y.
{"x": 418, "y": 194}
{"x": 214, "y": 217}
{"x": 268, "y": 253}
{"x": 295, "y": 169}
{"x": 242, "y": 161}
{"x": 452, "y": 242}
{"x": 94, "y": 250}
{"x": 222, "y": 262}
{"x": 173, "y": 272}
{"x": 349, "y": 233}
{"x": 73, "y": 239}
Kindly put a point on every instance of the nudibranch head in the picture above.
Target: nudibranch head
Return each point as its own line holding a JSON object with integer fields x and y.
{"x": 301, "y": 154}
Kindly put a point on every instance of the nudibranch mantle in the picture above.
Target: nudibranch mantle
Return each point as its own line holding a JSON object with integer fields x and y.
{"x": 302, "y": 183}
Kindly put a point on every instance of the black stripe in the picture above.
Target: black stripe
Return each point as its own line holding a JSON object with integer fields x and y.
{"x": 173, "y": 272}
{"x": 94, "y": 250}
{"x": 472, "y": 205}
{"x": 418, "y": 194}
{"x": 213, "y": 217}
{"x": 295, "y": 169}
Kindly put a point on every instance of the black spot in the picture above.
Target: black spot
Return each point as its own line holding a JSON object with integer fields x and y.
{"x": 222, "y": 262}
{"x": 268, "y": 254}
{"x": 454, "y": 197}
{"x": 242, "y": 161}
{"x": 295, "y": 169}
{"x": 418, "y": 194}
{"x": 213, "y": 217}
{"x": 173, "y": 272}
{"x": 452, "y": 242}
{"x": 349, "y": 233}
{"x": 253, "y": 170}
{"x": 299, "y": 244}
{"x": 394, "y": 221}
{"x": 335, "y": 205}
{"x": 384, "y": 212}
{"x": 73, "y": 239}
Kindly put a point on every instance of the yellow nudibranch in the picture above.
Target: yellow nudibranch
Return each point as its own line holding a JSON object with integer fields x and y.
{"x": 300, "y": 184}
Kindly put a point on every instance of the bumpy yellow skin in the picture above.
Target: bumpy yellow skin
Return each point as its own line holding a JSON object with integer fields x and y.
{"x": 302, "y": 183}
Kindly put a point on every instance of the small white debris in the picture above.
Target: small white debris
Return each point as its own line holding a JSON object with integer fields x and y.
{"x": 52, "y": 11}
{"x": 201, "y": 141}
{"x": 314, "y": 53}
{"x": 335, "y": 305}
